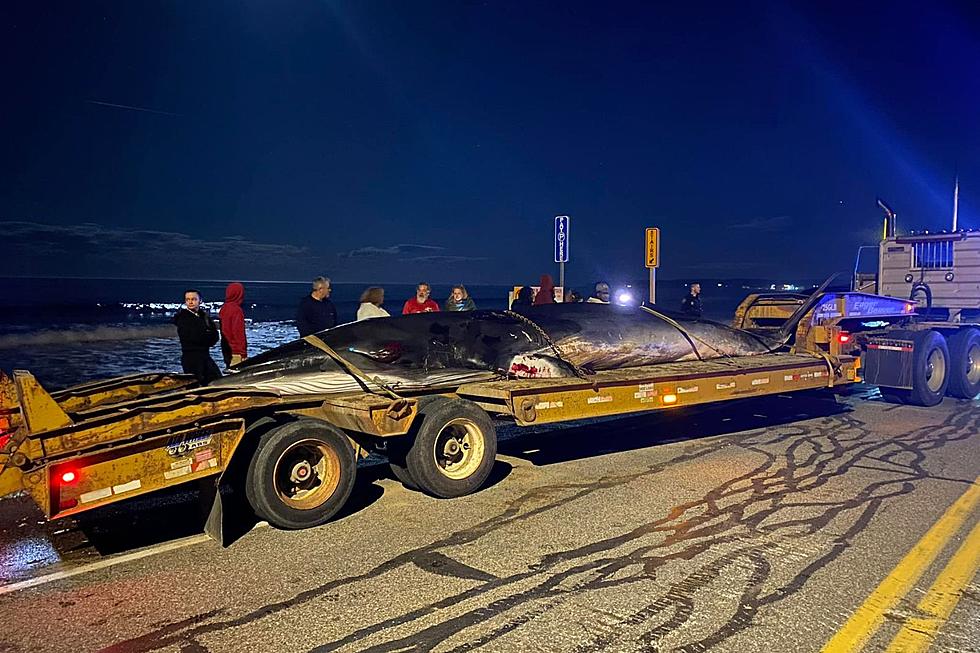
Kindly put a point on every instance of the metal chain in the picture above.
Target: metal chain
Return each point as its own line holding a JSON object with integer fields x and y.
{"x": 580, "y": 372}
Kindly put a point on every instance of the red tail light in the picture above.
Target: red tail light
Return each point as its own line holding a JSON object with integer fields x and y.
{"x": 843, "y": 338}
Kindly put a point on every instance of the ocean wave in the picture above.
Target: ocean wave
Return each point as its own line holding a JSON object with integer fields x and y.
{"x": 169, "y": 307}
{"x": 98, "y": 334}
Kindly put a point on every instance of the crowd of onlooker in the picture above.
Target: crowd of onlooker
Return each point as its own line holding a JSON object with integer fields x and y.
{"x": 198, "y": 332}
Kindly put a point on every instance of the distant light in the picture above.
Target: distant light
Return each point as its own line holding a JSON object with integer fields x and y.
{"x": 670, "y": 399}
{"x": 719, "y": 285}
{"x": 624, "y": 297}
{"x": 844, "y": 338}
{"x": 68, "y": 477}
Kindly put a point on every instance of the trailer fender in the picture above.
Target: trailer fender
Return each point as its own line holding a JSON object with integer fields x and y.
{"x": 228, "y": 516}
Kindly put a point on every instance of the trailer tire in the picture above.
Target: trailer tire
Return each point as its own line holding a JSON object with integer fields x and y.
{"x": 396, "y": 461}
{"x": 964, "y": 357}
{"x": 300, "y": 474}
{"x": 930, "y": 368}
{"x": 454, "y": 448}
{"x": 398, "y": 448}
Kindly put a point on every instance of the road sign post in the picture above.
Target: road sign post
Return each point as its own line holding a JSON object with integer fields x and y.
{"x": 653, "y": 259}
{"x": 561, "y": 247}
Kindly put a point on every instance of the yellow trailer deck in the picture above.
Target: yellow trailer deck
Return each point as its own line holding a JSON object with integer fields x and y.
{"x": 639, "y": 389}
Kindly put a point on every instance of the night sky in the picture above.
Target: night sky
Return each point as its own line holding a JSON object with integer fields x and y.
{"x": 395, "y": 141}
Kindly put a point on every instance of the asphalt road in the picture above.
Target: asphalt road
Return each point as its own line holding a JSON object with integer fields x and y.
{"x": 802, "y": 523}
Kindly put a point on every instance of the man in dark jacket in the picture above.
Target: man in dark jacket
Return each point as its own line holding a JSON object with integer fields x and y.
{"x": 691, "y": 304}
{"x": 316, "y": 312}
{"x": 197, "y": 333}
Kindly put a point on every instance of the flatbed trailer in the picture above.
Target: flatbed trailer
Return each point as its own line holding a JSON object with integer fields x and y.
{"x": 295, "y": 456}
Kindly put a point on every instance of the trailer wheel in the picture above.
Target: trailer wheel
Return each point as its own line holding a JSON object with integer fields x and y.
{"x": 454, "y": 448}
{"x": 301, "y": 474}
{"x": 930, "y": 369}
{"x": 398, "y": 448}
{"x": 964, "y": 356}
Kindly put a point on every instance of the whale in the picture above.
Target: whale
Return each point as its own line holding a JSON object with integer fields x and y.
{"x": 444, "y": 350}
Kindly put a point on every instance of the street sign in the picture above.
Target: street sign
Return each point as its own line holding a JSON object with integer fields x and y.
{"x": 653, "y": 247}
{"x": 561, "y": 239}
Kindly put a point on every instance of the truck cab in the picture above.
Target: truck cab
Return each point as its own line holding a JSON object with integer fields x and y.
{"x": 939, "y": 271}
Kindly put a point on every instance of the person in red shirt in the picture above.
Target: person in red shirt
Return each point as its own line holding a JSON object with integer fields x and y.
{"x": 421, "y": 303}
{"x": 234, "y": 347}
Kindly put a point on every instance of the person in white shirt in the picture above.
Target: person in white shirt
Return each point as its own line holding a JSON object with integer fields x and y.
{"x": 371, "y": 301}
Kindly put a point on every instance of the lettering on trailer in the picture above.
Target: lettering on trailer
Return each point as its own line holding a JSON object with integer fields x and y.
{"x": 544, "y": 405}
{"x": 181, "y": 445}
{"x": 890, "y": 347}
{"x": 561, "y": 239}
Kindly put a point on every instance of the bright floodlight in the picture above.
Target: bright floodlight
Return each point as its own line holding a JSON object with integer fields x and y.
{"x": 624, "y": 297}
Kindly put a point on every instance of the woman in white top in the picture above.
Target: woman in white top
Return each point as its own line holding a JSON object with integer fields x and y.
{"x": 371, "y": 301}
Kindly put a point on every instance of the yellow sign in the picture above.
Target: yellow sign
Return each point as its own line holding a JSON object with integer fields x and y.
{"x": 653, "y": 247}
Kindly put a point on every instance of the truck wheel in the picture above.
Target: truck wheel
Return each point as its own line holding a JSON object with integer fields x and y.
{"x": 930, "y": 369}
{"x": 964, "y": 356}
{"x": 454, "y": 448}
{"x": 301, "y": 474}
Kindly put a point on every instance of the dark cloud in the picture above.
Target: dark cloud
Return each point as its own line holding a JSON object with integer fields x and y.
{"x": 446, "y": 259}
{"x": 400, "y": 251}
{"x": 36, "y": 248}
{"x": 774, "y": 223}
{"x": 408, "y": 253}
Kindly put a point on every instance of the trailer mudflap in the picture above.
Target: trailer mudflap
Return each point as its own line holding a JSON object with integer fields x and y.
{"x": 80, "y": 483}
{"x": 888, "y": 363}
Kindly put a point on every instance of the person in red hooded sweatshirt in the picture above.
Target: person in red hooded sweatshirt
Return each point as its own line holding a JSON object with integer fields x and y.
{"x": 234, "y": 346}
{"x": 546, "y": 295}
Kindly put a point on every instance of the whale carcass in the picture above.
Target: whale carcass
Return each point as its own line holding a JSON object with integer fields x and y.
{"x": 445, "y": 350}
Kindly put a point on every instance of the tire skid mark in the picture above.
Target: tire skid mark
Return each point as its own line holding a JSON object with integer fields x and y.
{"x": 740, "y": 522}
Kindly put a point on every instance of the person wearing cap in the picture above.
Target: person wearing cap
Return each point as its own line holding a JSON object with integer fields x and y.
{"x": 601, "y": 294}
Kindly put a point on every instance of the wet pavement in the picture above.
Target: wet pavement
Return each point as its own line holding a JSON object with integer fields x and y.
{"x": 758, "y": 526}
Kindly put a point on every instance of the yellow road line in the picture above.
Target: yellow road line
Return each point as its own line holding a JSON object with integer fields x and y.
{"x": 918, "y": 632}
{"x": 869, "y": 616}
